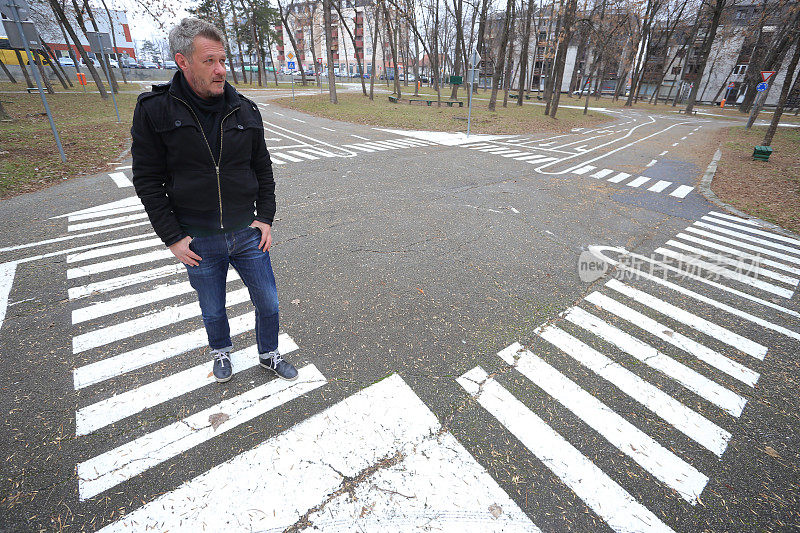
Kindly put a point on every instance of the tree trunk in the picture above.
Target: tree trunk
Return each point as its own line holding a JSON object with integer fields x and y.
{"x": 224, "y": 30}
{"x": 569, "y": 20}
{"x": 501, "y": 56}
{"x": 637, "y": 69}
{"x": 393, "y": 48}
{"x": 103, "y": 58}
{"x": 24, "y": 69}
{"x": 8, "y": 73}
{"x": 509, "y": 62}
{"x": 285, "y": 20}
{"x": 551, "y": 65}
{"x": 55, "y": 66}
{"x": 3, "y": 115}
{"x": 481, "y": 42}
{"x": 704, "y": 53}
{"x": 37, "y": 60}
{"x": 314, "y": 52}
{"x": 237, "y": 33}
{"x": 355, "y": 47}
{"x": 70, "y": 51}
{"x": 523, "y": 56}
{"x": 787, "y": 84}
{"x": 114, "y": 40}
{"x": 89, "y": 65}
{"x": 326, "y": 16}
{"x": 458, "y": 11}
{"x": 374, "y": 50}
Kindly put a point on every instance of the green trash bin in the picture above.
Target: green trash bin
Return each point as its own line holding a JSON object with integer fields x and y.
{"x": 762, "y": 153}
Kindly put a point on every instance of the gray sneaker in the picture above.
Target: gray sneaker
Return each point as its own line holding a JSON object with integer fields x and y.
{"x": 223, "y": 369}
{"x": 273, "y": 361}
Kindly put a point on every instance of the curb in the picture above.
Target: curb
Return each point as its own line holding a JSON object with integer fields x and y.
{"x": 705, "y": 190}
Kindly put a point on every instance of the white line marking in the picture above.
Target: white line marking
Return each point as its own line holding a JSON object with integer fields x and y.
{"x": 514, "y": 210}
{"x": 683, "y": 138}
{"x": 601, "y": 173}
{"x": 756, "y": 259}
{"x": 451, "y": 491}
{"x": 137, "y": 299}
{"x": 298, "y": 120}
{"x": 602, "y": 494}
{"x": 723, "y": 398}
{"x": 326, "y": 129}
{"x": 376, "y": 146}
{"x": 660, "y": 186}
{"x": 718, "y": 270}
{"x": 113, "y": 264}
{"x": 740, "y": 265}
{"x": 112, "y": 284}
{"x": 740, "y": 243}
{"x": 298, "y": 153}
{"x": 124, "y": 167}
{"x": 276, "y": 160}
{"x": 665, "y": 152}
{"x": 651, "y": 163}
{"x": 113, "y": 250}
{"x": 735, "y": 219}
{"x": 105, "y": 222}
{"x": 583, "y": 170}
{"x": 357, "y": 147}
{"x": 681, "y": 191}
{"x": 703, "y": 353}
{"x": 746, "y": 237}
{"x": 695, "y": 322}
{"x": 359, "y": 137}
{"x": 529, "y": 157}
{"x": 110, "y": 212}
{"x": 663, "y": 464}
{"x": 755, "y": 231}
{"x": 674, "y": 144}
{"x": 619, "y": 177}
{"x": 129, "y": 328}
{"x": 120, "y": 406}
{"x": 153, "y": 353}
{"x": 7, "y": 272}
{"x": 279, "y": 114}
{"x": 638, "y": 181}
{"x": 120, "y": 179}
{"x": 546, "y": 159}
{"x": 125, "y": 202}
{"x": 70, "y": 237}
{"x": 291, "y": 158}
{"x": 320, "y": 152}
{"x": 128, "y": 460}
{"x": 687, "y": 421}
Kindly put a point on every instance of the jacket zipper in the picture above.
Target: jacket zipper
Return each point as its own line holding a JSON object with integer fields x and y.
{"x": 210, "y": 152}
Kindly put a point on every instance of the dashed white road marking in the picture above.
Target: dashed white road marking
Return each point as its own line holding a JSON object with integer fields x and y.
{"x": 660, "y": 185}
{"x": 583, "y": 170}
{"x": 651, "y": 163}
{"x": 359, "y": 137}
{"x": 601, "y": 173}
{"x": 681, "y": 191}
{"x": 641, "y": 180}
{"x": 622, "y": 176}
{"x": 326, "y": 129}
{"x": 120, "y": 179}
{"x": 665, "y": 152}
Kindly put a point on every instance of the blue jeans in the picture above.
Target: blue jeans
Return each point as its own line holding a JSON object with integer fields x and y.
{"x": 240, "y": 249}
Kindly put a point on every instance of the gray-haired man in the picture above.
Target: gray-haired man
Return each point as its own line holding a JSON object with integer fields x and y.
{"x": 203, "y": 172}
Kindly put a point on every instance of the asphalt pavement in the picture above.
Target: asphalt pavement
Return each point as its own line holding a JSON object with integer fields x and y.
{"x": 494, "y": 333}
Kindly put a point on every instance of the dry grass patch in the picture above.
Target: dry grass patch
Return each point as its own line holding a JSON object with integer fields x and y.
{"x": 380, "y": 112}
{"x": 769, "y": 190}
{"x": 89, "y": 131}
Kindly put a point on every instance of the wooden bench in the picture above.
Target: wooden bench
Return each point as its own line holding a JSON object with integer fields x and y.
{"x": 694, "y": 111}
{"x": 449, "y": 103}
{"x": 393, "y": 99}
{"x": 516, "y": 95}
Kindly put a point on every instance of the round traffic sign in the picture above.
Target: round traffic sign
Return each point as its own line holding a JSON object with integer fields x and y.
{"x": 761, "y": 86}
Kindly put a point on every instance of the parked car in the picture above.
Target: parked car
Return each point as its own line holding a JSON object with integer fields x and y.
{"x": 66, "y": 62}
{"x": 95, "y": 62}
{"x": 171, "y": 65}
{"x": 113, "y": 63}
{"x": 149, "y": 64}
{"x": 424, "y": 79}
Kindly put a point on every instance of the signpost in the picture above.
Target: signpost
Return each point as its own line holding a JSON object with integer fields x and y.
{"x": 99, "y": 43}
{"x": 766, "y": 75}
{"x": 761, "y": 87}
{"x": 17, "y": 11}
{"x": 472, "y": 76}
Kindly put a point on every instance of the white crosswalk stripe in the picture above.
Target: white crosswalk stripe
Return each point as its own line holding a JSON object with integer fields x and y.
{"x": 641, "y": 180}
{"x": 681, "y": 191}
{"x": 659, "y": 186}
{"x": 585, "y": 339}
{"x": 583, "y": 170}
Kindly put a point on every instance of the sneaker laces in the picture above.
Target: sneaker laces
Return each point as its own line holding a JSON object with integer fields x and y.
{"x": 221, "y": 357}
{"x": 276, "y": 358}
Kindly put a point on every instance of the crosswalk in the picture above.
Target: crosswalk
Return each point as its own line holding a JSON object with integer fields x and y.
{"x": 643, "y": 182}
{"x": 140, "y": 349}
{"x": 504, "y": 151}
{"x": 689, "y": 370}
{"x": 282, "y": 156}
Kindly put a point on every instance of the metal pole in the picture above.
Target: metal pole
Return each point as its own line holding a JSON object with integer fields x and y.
{"x": 292, "y": 87}
{"x": 110, "y": 87}
{"x": 469, "y": 113}
{"x": 13, "y": 4}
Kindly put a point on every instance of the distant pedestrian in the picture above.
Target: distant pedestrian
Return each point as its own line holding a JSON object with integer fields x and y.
{"x": 203, "y": 172}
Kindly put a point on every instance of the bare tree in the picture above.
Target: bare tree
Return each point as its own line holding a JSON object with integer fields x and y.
{"x": 326, "y": 15}
{"x": 561, "y": 55}
{"x": 292, "y": 40}
{"x": 717, "y": 8}
{"x": 59, "y": 13}
{"x": 501, "y": 56}
{"x": 787, "y": 84}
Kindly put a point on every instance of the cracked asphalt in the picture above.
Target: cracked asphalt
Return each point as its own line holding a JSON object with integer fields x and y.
{"x": 423, "y": 262}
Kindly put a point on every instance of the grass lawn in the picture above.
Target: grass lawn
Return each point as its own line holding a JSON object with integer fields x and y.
{"x": 88, "y": 127}
{"x": 769, "y": 190}
{"x": 380, "y": 112}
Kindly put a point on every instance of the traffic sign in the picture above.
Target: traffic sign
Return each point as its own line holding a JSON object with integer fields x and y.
{"x": 290, "y": 56}
{"x": 22, "y": 8}
{"x": 290, "y": 64}
{"x": 767, "y": 74}
{"x": 15, "y": 40}
{"x": 474, "y": 59}
{"x": 731, "y": 85}
{"x": 762, "y": 86}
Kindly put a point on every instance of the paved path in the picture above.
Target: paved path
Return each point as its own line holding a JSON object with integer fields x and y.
{"x": 494, "y": 333}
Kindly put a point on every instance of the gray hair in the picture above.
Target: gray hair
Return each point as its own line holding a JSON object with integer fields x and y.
{"x": 181, "y": 37}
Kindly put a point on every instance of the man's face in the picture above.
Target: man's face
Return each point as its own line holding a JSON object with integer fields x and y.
{"x": 205, "y": 70}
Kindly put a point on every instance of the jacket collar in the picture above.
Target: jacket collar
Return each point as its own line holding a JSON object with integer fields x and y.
{"x": 232, "y": 97}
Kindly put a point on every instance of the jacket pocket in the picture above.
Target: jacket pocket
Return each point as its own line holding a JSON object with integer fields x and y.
{"x": 195, "y": 190}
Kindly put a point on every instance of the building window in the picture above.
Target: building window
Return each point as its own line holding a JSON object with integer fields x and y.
{"x": 740, "y": 69}
{"x": 676, "y": 70}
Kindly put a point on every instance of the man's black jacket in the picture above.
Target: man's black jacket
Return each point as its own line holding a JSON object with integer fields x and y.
{"x": 175, "y": 173}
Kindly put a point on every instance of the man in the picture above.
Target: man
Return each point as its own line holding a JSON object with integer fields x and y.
{"x": 201, "y": 167}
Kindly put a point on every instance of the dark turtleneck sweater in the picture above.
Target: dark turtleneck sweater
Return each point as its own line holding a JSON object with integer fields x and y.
{"x": 209, "y": 113}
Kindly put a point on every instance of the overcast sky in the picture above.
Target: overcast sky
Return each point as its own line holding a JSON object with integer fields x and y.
{"x": 143, "y": 26}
